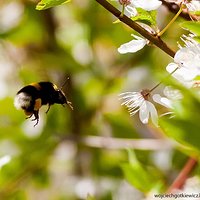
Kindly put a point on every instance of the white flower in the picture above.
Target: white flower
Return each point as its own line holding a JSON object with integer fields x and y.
{"x": 137, "y": 102}
{"x": 188, "y": 56}
{"x": 182, "y": 74}
{"x": 147, "y": 4}
{"x": 186, "y": 61}
{"x": 193, "y": 6}
{"x": 125, "y": 2}
{"x": 133, "y": 46}
{"x": 131, "y": 10}
{"x": 172, "y": 94}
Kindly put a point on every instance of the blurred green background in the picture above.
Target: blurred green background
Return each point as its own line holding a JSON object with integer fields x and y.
{"x": 60, "y": 158}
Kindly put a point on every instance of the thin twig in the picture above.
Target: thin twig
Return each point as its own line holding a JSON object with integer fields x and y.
{"x": 158, "y": 84}
{"x": 181, "y": 178}
{"x": 152, "y": 38}
{"x": 172, "y": 21}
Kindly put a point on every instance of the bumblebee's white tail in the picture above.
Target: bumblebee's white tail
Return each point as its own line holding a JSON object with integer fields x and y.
{"x": 22, "y": 100}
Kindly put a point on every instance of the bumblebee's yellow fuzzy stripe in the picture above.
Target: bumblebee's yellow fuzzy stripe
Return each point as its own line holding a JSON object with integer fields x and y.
{"x": 38, "y": 104}
{"x": 36, "y": 85}
{"x": 55, "y": 87}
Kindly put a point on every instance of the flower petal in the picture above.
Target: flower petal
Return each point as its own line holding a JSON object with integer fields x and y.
{"x": 189, "y": 57}
{"x": 172, "y": 93}
{"x": 132, "y": 100}
{"x": 132, "y": 46}
{"x": 146, "y": 109}
{"x": 147, "y": 27}
{"x": 144, "y": 113}
{"x": 193, "y": 6}
{"x": 182, "y": 74}
{"x": 147, "y": 4}
{"x": 131, "y": 11}
{"x": 162, "y": 101}
{"x": 153, "y": 113}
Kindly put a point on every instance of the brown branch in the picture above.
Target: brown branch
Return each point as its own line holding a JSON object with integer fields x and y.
{"x": 181, "y": 178}
{"x": 152, "y": 38}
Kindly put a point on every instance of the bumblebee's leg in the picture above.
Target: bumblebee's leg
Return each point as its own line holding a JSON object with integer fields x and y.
{"x": 29, "y": 116}
{"x": 36, "y": 122}
{"x": 49, "y": 106}
{"x": 70, "y": 105}
{"x": 36, "y": 115}
{"x": 37, "y": 106}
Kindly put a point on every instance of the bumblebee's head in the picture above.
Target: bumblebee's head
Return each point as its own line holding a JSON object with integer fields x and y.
{"x": 62, "y": 99}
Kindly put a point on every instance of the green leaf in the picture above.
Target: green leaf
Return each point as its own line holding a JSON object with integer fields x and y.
{"x": 137, "y": 175}
{"x": 147, "y": 17}
{"x": 184, "y": 126}
{"x": 193, "y": 27}
{"x": 45, "y": 4}
{"x": 183, "y": 131}
{"x": 121, "y": 123}
{"x": 196, "y": 12}
{"x": 117, "y": 21}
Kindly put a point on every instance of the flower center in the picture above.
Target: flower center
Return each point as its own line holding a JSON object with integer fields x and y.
{"x": 145, "y": 93}
{"x": 125, "y": 2}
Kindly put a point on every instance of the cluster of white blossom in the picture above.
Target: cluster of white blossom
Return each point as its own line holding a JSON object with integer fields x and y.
{"x": 191, "y": 5}
{"x": 185, "y": 68}
{"x": 131, "y": 5}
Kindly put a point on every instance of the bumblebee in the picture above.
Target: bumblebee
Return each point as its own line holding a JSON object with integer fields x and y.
{"x": 32, "y": 97}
